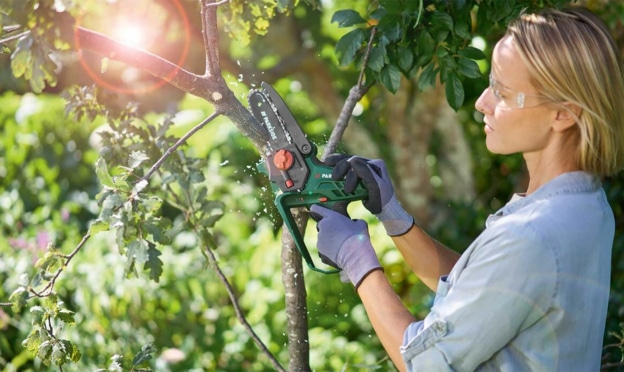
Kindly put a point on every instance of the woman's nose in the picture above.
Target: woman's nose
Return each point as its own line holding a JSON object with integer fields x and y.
{"x": 483, "y": 104}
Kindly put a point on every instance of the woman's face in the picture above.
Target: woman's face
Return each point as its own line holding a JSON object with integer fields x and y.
{"x": 512, "y": 123}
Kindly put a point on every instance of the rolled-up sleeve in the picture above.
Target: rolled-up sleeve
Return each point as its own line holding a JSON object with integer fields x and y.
{"x": 503, "y": 284}
{"x": 419, "y": 351}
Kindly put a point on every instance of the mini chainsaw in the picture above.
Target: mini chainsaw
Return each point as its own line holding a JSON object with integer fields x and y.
{"x": 298, "y": 178}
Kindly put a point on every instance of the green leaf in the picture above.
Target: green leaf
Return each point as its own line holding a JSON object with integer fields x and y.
{"x": 110, "y": 206}
{"x": 472, "y": 53}
{"x": 66, "y": 316}
{"x": 45, "y": 349}
{"x": 38, "y": 314}
{"x": 442, "y": 20}
{"x": 211, "y": 220}
{"x": 440, "y": 36}
{"x": 406, "y": 58}
{"x": 442, "y": 52}
{"x": 74, "y": 353}
{"x": 393, "y": 6}
{"x": 127, "y": 233}
{"x": 427, "y": 77}
{"x": 376, "y": 59}
{"x": 154, "y": 264}
{"x": 196, "y": 177}
{"x": 390, "y": 27}
{"x": 34, "y": 340}
{"x": 59, "y": 354}
{"x": 42, "y": 69}
{"x": 144, "y": 355}
{"x": 504, "y": 8}
{"x": 101, "y": 170}
{"x": 21, "y": 58}
{"x": 425, "y": 48}
{"x": 136, "y": 158}
{"x": 151, "y": 204}
{"x": 52, "y": 302}
{"x": 18, "y": 298}
{"x": 349, "y": 44}
{"x": 158, "y": 227}
{"x": 208, "y": 239}
{"x": 37, "y": 279}
{"x": 459, "y": 4}
{"x": 99, "y": 226}
{"x": 469, "y": 68}
{"x": 347, "y": 18}
{"x": 201, "y": 195}
{"x": 390, "y": 78}
{"x": 454, "y": 91}
{"x": 49, "y": 261}
{"x": 137, "y": 250}
{"x": 462, "y": 29}
{"x": 209, "y": 206}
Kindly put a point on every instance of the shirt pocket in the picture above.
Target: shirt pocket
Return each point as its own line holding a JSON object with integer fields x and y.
{"x": 444, "y": 286}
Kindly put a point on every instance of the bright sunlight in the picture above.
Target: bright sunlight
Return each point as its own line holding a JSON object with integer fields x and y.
{"x": 131, "y": 34}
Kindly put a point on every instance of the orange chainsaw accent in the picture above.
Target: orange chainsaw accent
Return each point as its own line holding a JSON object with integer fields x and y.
{"x": 283, "y": 159}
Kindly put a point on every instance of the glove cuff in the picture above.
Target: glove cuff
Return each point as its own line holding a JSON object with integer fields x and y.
{"x": 394, "y": 218}
{"x": 359, "y": 265}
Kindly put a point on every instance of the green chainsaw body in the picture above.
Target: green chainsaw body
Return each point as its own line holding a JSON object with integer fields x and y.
{"x": 298, "y": 178}
{"x": 319, "y": 189}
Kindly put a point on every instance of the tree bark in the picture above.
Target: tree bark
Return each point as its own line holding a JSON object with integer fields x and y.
{"x": 296, "y": 295}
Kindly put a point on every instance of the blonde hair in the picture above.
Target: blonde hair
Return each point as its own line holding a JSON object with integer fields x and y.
{"x": 573, "y": 59}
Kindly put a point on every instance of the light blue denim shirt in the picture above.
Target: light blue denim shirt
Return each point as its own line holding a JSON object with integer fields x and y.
{"x": 530, "y": 293}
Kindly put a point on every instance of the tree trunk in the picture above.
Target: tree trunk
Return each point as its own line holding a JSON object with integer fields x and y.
{"x": 296, "y": 295}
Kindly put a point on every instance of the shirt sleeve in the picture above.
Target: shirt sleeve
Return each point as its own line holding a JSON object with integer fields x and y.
{"x": 502, "y": 285}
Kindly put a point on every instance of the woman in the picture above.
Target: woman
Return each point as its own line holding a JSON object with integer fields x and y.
{"x": 531, "y": 292}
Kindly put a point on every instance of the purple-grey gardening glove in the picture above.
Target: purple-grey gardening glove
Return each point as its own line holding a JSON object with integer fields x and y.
{"x": 344, "y": 243}
{"x": 382, "y": 201}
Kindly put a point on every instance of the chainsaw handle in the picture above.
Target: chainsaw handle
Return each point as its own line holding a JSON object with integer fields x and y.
{"x": 287, "y": 201}
{"x": 284, "y": 204}
{"x": 341, "y": 207}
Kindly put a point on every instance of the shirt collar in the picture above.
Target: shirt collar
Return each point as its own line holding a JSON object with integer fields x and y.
{"x": 566, "y": 183}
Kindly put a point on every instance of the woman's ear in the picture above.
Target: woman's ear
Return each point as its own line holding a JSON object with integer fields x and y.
{"x": 567, "y": 116}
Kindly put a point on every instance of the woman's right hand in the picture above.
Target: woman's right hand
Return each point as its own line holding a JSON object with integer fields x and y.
{"x": 382, "y": 201}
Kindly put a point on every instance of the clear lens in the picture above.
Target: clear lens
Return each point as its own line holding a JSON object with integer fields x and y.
{"x": 505, "y": 97}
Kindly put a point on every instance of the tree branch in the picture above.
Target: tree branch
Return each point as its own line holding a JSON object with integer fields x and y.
{"x": 355, "y": 95}
{"x": 212, "y": 89}
{"x": 211, "y": 37}
{"x": 178, "y": 143}
{"x": 50, "y": 286}
{"x": 230, "y": 291}
{"x": 237, "y": 308}
{"x": 13, "y": 37}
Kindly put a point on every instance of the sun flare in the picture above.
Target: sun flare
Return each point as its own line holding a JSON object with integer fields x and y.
{"x": 130, "y": 34}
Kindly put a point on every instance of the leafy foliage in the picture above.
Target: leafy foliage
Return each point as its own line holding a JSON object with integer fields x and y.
{"x": 48, "y": 28}
{"x": 247, "y": 19}
{"x": 42, "y": 340}
{"x": 130, "y": 203}
{"x": 424, "y": 40}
